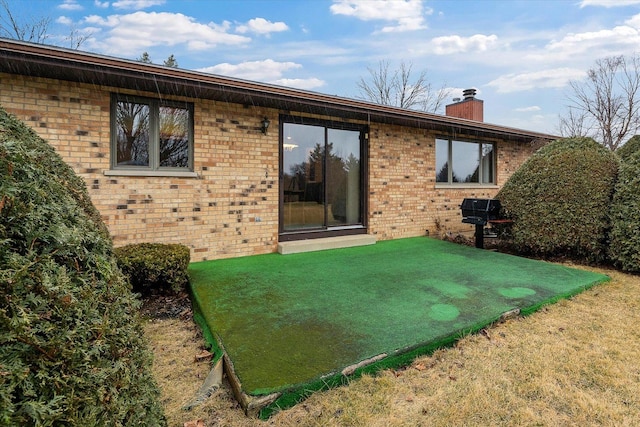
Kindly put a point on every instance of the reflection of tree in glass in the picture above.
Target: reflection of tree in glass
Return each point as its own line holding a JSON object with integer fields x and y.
{"x": 486, "y": 159}
{"x": 348, "y": 169}
{"x": 132, "y": 133}
{"x": 308, "y": 175}
{"x": 473, "y": 177}
{"x": 174, "y": 137}
{"x": 352, "y": 164}
{"x": 337, "y": 183}
{"x": 134, "y": 130}
{"x": 443, "y": 174}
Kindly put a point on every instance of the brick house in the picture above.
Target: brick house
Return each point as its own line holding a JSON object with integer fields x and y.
{"x": 232, "y": 167}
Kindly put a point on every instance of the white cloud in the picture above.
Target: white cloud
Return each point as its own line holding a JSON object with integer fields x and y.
{"x": 101, "y": 4}
{"x": 608, "y": 3}
{"x": 407, "y": 15}
{"x": 136, "y": 4}
{"x": 268, "y": 71}
{"x": 585, "y": 47}
{"x": 135, "y": 32}
{"x": 261, "y": 26}
{"x": 305, "y": 84}
{"x": 551, "y": 78}
{"x": 446, "y": 45}
{"x": 583, "y": 42}
{"x": 528, "y": 109}
{"x": 70, "y": 5}
{"x": 457, "y": 92}
{"x": 64, "y": 20}
{"x": 634, "y": 21}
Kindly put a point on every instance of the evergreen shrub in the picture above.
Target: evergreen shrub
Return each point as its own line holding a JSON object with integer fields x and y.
{"x": 72, "y": 350}
{"x": 630, "y": 147}
{"x": 559, "y": 200}
{"x": 154, "y": 265}
{"x": 624, "y": 248}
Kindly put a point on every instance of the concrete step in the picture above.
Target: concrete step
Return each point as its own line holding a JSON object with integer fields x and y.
{"x": 309, "y": 245}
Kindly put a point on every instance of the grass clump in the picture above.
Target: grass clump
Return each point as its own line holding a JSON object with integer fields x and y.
{"x": 71, "y": 344}
{"x": 559, "y": 200}
{"x": 155, "y": 266}
{"x": 624, "y": 249}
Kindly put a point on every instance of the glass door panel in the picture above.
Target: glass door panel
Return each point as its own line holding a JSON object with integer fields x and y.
{"x": 343, "y": 177}
{"x": 303, "y": 176}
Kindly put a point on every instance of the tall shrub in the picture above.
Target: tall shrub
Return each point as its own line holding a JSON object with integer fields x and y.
{"x": 71, "y": 344}
{"x": 559, "y": 200}
{"x": 630, "y": 147}
{"x": 624, "y": 249}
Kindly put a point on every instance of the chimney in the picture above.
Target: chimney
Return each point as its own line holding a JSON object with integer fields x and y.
{"x": 469, "y": 108}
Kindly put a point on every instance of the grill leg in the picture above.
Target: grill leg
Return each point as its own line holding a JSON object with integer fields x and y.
{"x": 480, "y": 236}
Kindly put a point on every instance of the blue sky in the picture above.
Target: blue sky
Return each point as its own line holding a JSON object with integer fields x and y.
{"x": 519, "y": 55}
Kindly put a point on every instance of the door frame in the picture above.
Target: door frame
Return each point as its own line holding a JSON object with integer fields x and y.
{"x": 325, "y": 231}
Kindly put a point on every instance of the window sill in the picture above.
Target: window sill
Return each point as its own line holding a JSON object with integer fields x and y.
{"x": 443, "y": 186}
{"x": 150, "y": 173}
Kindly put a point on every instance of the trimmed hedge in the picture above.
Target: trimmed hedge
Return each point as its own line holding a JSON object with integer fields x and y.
{"x": 560, "y": 198}
{"x": 630, "y": 147}
{"x": 624, "y": 249}
{"x": 72, "y": 350}
{"x": 154, "y": 265}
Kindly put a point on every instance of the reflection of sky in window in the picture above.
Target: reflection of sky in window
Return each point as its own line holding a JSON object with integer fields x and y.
{"x": 345, "y": 143}
{"x": 442, "y": 154}
{"x": 304, "y": 138}
{"x": 464, "y": 159}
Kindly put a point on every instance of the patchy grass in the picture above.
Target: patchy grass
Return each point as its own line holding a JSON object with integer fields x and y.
{"x": 575, "y": 362}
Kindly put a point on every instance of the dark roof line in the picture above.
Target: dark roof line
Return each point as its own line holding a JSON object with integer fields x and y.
{"x": 66, "y": 64}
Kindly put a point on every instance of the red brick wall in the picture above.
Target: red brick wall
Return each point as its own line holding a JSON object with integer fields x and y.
{"x": 472, "y": 109}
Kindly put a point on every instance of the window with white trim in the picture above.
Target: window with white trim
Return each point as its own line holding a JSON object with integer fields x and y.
{"x": 465, "y": 162}
{"x": 151, "y": 135}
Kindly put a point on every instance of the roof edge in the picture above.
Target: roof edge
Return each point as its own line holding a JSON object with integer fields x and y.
{"x": 63, "y": 57}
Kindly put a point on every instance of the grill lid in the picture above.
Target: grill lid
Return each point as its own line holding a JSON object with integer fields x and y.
{"x": 479, "y": 211}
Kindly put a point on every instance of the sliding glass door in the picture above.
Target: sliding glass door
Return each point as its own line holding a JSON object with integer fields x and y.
{"x": 321, "y": 178}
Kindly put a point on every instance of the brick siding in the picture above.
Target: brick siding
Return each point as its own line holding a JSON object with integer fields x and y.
{"x": 231, "y": 209}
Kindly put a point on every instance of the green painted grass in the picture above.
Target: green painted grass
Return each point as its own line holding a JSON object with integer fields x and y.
{"x": 291, "y": 323}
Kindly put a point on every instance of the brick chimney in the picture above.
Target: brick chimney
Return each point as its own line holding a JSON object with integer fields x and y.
{"x": 469, "y": 108}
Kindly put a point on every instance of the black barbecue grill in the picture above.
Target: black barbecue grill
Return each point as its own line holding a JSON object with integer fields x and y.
{"x": 480, "y": 212}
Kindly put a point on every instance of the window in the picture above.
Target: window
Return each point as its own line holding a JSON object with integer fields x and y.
{"x": 465, "y": 162}
{"x": 151, "y": 135}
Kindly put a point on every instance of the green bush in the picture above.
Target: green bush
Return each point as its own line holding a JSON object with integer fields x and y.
{"x": 624, "y": 249}
{"x": 629, "y": 148}
{"x": 154, "y": 265}
{"x": 72, "y": 350}
{"x": 559, "y": 200}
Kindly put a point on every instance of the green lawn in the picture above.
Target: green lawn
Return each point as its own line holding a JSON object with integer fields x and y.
{"x": 292, "y": 323}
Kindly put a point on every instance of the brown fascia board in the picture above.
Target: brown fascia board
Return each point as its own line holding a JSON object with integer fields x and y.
{"x": 17, "y": 57}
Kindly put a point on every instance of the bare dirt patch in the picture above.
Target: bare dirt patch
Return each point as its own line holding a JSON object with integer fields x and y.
{"x": 180, "y": 370}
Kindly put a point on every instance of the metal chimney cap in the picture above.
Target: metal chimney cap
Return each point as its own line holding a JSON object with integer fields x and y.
{"x": 469, "y": 93}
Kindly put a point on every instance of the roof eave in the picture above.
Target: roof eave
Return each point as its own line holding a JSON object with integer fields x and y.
{"x": 64, "y": 64}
